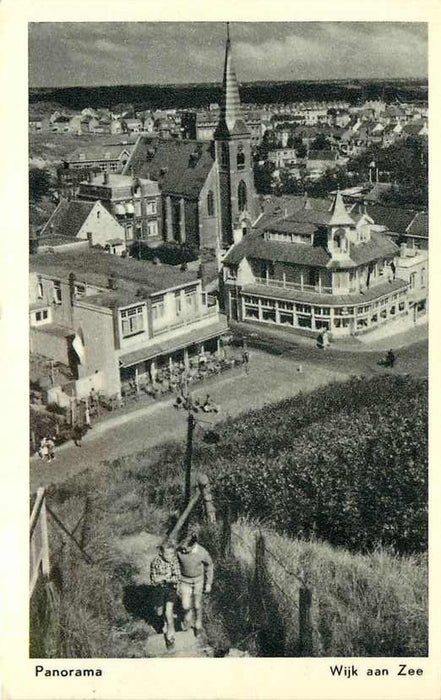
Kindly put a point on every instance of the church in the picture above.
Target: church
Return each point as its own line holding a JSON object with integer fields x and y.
{"x": 207, "y": 188}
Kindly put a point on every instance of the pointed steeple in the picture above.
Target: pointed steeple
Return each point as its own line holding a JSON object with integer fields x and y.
{"x": 230, "y": 121}
{"x": 339, "y": 215}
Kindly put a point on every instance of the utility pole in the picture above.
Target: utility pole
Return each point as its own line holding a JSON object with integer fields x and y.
{"x": 191, "y": 423}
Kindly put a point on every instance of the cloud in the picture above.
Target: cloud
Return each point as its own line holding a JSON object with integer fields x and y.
{"x": 136, "y": 52}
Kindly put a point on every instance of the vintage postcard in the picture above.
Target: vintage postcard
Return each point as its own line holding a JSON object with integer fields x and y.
{"x": 215, "y": 350}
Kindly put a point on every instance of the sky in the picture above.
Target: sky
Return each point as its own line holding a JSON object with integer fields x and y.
{"x": 111, "y": 53}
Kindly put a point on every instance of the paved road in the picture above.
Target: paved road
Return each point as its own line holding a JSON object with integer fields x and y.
{"x": 271, "y": 377}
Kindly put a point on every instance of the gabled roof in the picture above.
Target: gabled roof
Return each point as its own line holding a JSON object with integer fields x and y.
{"x": 105, "y": 152}
{"x": 394, "y": 219}
{"x": 254, "y": 245}
{"x": 180, "y": 167}
{"x": 419, "y": 226}
{"x": 68, "y": 218}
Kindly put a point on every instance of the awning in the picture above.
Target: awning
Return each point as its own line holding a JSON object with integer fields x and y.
{"x": 198, "y": 335}
{"x": 129, "y": 208}
{"x": 119, "y": 210}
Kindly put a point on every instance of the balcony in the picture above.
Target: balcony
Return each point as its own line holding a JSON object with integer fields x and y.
{"x": 297, "y": 286}
{"x": 187, "y": 321}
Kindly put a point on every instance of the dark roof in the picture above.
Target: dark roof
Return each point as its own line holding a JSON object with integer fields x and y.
{"x": 104, "y": 152}
{"x": 419, "y": 226}
{"x": 95, "y": 267}
{"x": 254, "y": 245}
{"x": 377, "y": 248}
{"x": 395, "y": 219}
{"x": 68, "y": 218}
{"x": 369, "y": 294}
{"x": 180, "y": 167}
{"x": 322, "y": 155}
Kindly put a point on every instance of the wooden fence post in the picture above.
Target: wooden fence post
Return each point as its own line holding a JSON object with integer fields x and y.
{"x": 226, "y": 531}
{"x": 305, "y": 625}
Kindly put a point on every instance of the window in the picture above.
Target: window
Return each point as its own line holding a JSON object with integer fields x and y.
{"x": 38, "y": 316}
{"x": 412, "y": 280}
{"x": 178, "y": 303}
{"x": 242, "y": 196}
{"x": 151, "y": 207}
{"x": 224, "y": 155}
{"x": 57, "y": 291}
{"x": 251, "y": 300}
{"x": 132, "y": 321}
{"x": 268, "y": 315}
{"x": 98, "y": 214}
{"x": 191, "y": 298}
{"x": 210, "y": 203}
{"x": 158, "y": 308}
{"x": 240, "y": 158}
{"x": 40, "y": 290}
{"x": 402, "y": 305}
{"x": 314, "y": 276}
{"x": 152, "y": 228}
{"x": 269, "y": 303}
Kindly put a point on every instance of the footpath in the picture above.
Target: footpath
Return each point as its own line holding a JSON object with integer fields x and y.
{"x": 153, "y": 424}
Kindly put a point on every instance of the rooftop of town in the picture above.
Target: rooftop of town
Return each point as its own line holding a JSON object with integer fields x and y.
{"x": 134, "y": 280}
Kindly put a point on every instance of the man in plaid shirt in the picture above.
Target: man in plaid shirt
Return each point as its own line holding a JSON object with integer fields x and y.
{"x": 165, "y": 574}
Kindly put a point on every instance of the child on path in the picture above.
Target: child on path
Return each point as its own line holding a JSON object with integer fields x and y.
{"x": 165, "y": 574}
{"x": 196, "y": 578}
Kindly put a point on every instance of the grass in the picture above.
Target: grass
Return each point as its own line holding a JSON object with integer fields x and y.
{"x": 372, "y": 604}
{"x": 363, "y": 605}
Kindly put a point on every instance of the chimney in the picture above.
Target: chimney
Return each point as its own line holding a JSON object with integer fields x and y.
{"x": 89, "y": 176}
{"x": 106, "y": 178}
{"x": 403, "y": 250}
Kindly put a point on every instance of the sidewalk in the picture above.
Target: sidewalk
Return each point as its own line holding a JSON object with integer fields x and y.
{"x": 400, "y": 334}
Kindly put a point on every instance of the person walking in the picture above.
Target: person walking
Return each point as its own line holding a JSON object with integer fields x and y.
{"x": 196, "y": 579}
{"x": 87, "y": 418}
{"x": 77, "y": 434}
{"x": 43, "y": 449}
{"x": 50, "y": 444}
{"x": 165, "y": 575}
{"x": 246, "y": 359}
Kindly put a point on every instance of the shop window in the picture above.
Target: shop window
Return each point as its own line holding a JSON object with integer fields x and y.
{"x": 304, "y": 321}
{"x": 268, "y": 315}
{"x": 251, "y": 312}
{"x": 286, "y": 319}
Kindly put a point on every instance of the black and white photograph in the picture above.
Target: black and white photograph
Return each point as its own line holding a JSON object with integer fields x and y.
{"x": 218, "y": 481}
{"x": 228, "y": 335}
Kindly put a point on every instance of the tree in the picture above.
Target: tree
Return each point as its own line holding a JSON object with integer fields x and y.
{"x": 39, "y": 184}
{"x": 320, "y": 143}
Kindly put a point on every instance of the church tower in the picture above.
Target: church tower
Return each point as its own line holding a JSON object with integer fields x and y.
{"x": 238, "y": 199}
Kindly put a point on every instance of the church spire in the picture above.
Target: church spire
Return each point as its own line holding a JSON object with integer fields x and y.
{"x": 230, "y": 120}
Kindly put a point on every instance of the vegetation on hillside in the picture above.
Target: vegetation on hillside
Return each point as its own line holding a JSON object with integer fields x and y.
{"x": 337, "y": 482}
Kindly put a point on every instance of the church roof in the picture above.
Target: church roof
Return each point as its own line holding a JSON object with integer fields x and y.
{"x": 180, "y": 167}
{"x": 231, "y": 122}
